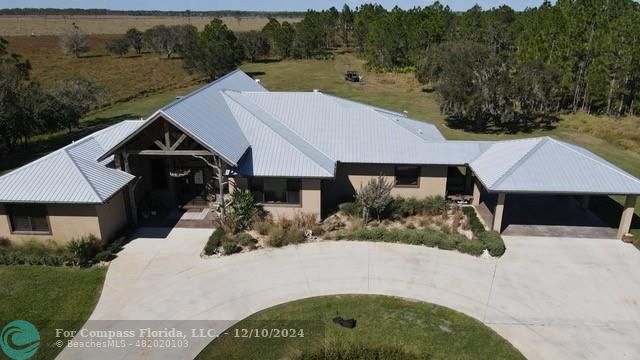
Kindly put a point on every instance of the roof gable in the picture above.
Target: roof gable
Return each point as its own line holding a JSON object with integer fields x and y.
{"x": 70, "y": 174}
{"x": 548, "y": 165}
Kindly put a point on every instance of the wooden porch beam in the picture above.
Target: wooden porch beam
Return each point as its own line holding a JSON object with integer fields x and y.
{"x": 172, "y": 152}
{"x": 178, "y": 142}
{"x": 160, "y": 144}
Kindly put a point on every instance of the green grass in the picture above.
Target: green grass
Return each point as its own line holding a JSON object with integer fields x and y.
{"x": 427, "y": 330}
{"x": 50, "y": 298}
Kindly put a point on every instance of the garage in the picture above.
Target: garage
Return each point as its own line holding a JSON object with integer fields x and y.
{"x": 545, "y": 187}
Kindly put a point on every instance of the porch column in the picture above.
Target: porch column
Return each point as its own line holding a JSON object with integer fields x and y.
{"x": 476, "y": 193}
{"x": 467, "y": 180}
{"x": 584, "y": 202}
{"x": 497, "y": 214}
{"x": 627, "y": 215}
{"x": 131, "y": 189}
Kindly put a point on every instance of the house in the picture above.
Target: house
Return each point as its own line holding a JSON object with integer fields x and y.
{"x": 295, "y": 151}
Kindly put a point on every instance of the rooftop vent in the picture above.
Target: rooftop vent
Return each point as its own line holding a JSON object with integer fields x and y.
{"x": 420, "y": 132}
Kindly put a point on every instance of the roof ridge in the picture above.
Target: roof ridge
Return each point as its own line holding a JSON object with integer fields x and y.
{"x": 77, "y": 167}
{"x": 273, "y": 118}
{"x": 511, "y": 169}
{"x": 599, "y": 160}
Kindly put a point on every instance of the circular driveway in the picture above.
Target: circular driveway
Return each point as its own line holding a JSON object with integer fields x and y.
{"x": 552, "y": 298}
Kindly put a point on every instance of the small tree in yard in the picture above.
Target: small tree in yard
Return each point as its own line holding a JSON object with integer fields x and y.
{"x": 74, "y": 41}
{"x": 242, "y": 209}
{"x": 118, "y": 47}
{"x": 376, "y": 195}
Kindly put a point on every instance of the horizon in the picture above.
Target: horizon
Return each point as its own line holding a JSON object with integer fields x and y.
{"x": 253, "y": 5}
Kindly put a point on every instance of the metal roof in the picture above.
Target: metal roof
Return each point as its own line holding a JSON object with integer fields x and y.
{"x": 205, "y": 116}
{"x": 351, "y": 132}
{"x": 547, "y": 165}
{"x": 275, "y": 150}
{"x": 70, "y": 174}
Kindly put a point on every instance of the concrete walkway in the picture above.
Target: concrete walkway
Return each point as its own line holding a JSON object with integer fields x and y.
{"x": 551, "y": 298}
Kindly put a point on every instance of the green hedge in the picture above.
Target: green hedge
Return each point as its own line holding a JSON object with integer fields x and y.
{"x": 493, "y": 242}
{"x": 426, "y": 237}
{"x": 490, "y": 240}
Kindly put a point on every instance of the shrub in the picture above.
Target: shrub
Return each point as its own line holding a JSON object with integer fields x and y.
{"x": 231, "y": 248}
{"x": 262, "y": 224}
{"x": 245, "y": 239}
{"x": 351, "y": 208}
{"x": 434, "y": 205}
{"x": 83, "y": 251}
{"x": 214, "y": 242}
{"x": 476, "y": 226}
{"x": 104, "y": 255}
{"x": 472, "y": 247}
{"x": 241, "y": 211}
{"x": 284, "y": 235}
{"x": 493, "y": 242}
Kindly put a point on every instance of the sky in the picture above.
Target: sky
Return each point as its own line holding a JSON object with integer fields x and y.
{"x": 260, "y": 5}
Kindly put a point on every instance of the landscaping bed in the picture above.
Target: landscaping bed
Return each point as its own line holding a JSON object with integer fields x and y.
{"x": 386, "y": 328}
{"x": 82, "y": 252}
{"x": 430, "y": 221}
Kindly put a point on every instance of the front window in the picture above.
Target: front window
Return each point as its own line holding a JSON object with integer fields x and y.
{"x": 407, "y": 175}
{"x": 276, "y": 190}
{"x": 29, "y": 218}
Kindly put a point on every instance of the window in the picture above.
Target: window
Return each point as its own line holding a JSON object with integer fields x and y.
{"x": 407, "y": 175}
{"x": 276, "y": 190}
{"x": 30, "y": 218}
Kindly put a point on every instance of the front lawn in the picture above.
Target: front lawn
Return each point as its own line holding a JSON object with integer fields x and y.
{"x": 50, "y": 298}
{"x": 416, "y": 329}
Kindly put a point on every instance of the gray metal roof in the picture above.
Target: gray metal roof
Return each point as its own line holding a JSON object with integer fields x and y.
{"x": 71, "y": 174}
{"x": 274, "y": 150}
{"x": 205, "y": 116}
{"x": 350, "y": 132}
{"x": 547, "y": 165}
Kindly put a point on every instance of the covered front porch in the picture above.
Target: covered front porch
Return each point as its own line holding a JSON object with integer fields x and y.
{"x": 179, "y": 182}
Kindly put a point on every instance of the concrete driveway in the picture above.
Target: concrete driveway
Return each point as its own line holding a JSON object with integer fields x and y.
{"x": 552, "y": 298}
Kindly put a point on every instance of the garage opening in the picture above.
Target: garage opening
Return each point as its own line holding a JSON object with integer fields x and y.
{"x": 556, "y": 215}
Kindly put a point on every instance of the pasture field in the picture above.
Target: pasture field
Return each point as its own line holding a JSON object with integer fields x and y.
{"x": 117, "y": 24}
{"x": 123, "y": 78}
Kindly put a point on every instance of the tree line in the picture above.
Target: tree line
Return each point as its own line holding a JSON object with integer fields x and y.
{"x": 494, "y": 68}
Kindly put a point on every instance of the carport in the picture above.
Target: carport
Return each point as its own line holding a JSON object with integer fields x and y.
{"x": 544, "y": 187}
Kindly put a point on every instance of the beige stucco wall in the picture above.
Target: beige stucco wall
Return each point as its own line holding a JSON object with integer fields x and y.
{"x": 66, "y": 222}
{"x": 112, "y": 216}
{"x": 352, "y": 177}
{"x": 310, "y": 199}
